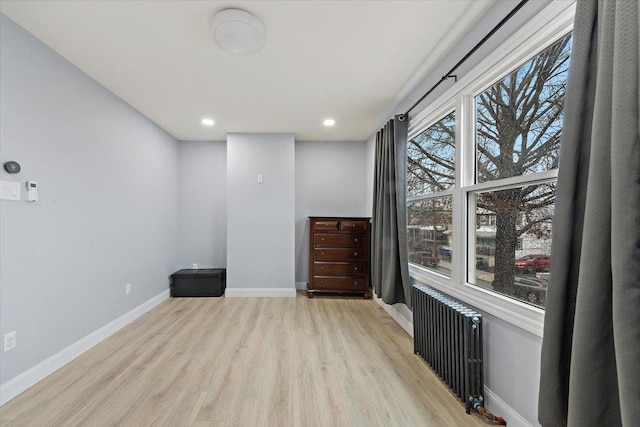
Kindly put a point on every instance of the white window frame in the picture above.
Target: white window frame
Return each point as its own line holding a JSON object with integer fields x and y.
{"x": 538, "y": 34}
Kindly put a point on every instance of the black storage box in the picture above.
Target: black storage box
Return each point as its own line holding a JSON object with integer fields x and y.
{"x": 202, "y": 282}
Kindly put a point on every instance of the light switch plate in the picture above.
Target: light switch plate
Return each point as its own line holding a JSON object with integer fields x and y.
{"x": 9, "y": 341}
{"x": 10, "y": 190}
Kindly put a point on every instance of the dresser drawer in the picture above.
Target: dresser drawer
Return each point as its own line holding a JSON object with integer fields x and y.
{"x": 340, "y": 283}
{"x": 339, "y": 269}
{"x": 353, "y": 225}
{"x": 329, "y": 225}
{"x": 323, "y": 239}
{"x": 339, "y": 254}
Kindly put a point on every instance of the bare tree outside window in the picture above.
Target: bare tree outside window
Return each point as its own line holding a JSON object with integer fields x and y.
{"x": 431, "y": 158}
{"x": 430, "y": 166}
{"x": 518, "y": 124}
{"x": 518, "y": 128}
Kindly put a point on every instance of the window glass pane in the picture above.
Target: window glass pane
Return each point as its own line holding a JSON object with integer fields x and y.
{"x": 429, "y": 234}
{"x": 513, "y": 241}
{"x": 519, "y": 119}
{"x": 431, "y": 158}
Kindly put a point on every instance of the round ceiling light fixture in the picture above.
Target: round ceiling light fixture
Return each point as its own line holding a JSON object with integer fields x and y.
{"x": 237, "y": 31}
{"x": 207, "y": 121}
{"x": 329, "y": 122}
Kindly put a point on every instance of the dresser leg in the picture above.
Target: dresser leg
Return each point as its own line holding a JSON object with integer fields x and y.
{"x": 310, "y": 294}
{"x": 367, "y": 295}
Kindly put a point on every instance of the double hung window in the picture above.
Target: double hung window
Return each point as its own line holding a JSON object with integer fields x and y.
{"x": 482, "y": 166}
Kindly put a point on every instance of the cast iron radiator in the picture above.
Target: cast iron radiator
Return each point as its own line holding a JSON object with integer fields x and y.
{"x": 448, "y": 336}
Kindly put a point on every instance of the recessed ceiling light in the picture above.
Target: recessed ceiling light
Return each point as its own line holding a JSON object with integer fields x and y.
{"x": 329, "y": 122}
{"x": 207, "y": 122}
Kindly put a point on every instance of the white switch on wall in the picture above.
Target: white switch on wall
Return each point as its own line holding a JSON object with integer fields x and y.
{"x": 260, "y": 180}
{"x": 10, "y": 341}
{"x": 10, "y": 190}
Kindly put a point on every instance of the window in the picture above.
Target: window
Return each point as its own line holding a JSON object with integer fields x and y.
{"x": 482, "y": 171}
{"x": 430, "y": 181}
{"x": 518, "y": 123}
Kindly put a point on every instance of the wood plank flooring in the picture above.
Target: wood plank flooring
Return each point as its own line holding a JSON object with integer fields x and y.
{"x": 326, "y": 361}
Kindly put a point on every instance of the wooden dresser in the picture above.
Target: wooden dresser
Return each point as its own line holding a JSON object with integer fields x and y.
{"x": 339, "y": 255}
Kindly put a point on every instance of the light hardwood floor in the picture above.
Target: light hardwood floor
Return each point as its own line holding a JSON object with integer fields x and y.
{"x": 326, "y": 361}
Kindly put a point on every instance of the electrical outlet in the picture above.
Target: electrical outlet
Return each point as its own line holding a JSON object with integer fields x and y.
{"x": 128, "y": 288}
{"x": 195, "y": 265}
{"x": 10, "y": 341}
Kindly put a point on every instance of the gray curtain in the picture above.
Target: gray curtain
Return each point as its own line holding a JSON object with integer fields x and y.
{"x": 590, "y": 373}
{"x": 390, "y": 271}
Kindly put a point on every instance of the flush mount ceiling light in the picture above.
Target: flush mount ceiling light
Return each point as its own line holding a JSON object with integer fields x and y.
{"x": 329, "y": 122}
{"x": 237, "y": 31}
{"x": 207, "y": 122}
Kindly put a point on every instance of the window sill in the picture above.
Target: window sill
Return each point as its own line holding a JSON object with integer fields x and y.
{"x": 524, "y": 316}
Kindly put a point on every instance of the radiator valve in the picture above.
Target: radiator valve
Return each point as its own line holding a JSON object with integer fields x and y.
{"x": 479, "y": 407}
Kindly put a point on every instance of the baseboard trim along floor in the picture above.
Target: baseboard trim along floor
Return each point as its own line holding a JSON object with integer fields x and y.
{"x": 392, "y": 311}
{"x": 500, "y": 408}
{"x": 32, "y": 376}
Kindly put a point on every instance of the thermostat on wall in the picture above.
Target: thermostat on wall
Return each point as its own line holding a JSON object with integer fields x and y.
{"x": 32, "y": 191}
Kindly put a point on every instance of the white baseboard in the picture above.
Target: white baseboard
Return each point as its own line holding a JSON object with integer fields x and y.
{"x": 23, "y": 381}
{"x": 499, "y": 408}
{"x": 260, "y": 292}
{"x": 301, "y": 286}
{"x": 392, "y": 311}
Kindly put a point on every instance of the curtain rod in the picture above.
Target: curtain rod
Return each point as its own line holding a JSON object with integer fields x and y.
{"x": 450, "y": 74}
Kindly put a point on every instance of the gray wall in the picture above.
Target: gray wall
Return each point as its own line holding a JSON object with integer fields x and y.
{"x": 202, "y": 204}
{"x": 512, "y": 366}
{"x": 370, "y": 156}
{"x": 260, "y": 217}
{"x": 106, "y": 215}
{"x": 331, "y": 180}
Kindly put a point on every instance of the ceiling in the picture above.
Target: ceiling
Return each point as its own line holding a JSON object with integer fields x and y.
{"x": 349, "y": 60}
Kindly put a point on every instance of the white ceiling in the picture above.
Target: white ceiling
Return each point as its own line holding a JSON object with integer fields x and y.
{"x": 349, "y": 60}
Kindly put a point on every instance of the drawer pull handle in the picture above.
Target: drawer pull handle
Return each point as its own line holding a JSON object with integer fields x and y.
{"x": 355, "y": 240}
{"x": 355, "y": 282}
{"x": 355, "y": 254}
{"x": 323, "y": 239}
{"x": 322, "y": 282}
{"x": 321, "y": 253}
{"x": 321, "y": 268}
{"x": 355, "y": 268}
{"x": 353, "y": 225}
